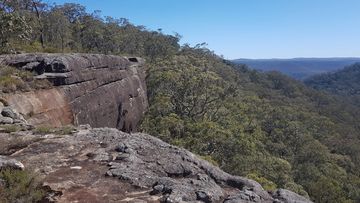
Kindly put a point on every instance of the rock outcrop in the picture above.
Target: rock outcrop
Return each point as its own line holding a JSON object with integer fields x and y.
{"x": 107, "y": 165}
{"x": 95, "y": 89}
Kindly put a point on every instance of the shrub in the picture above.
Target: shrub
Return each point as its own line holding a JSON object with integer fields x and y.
{"x": 43, "y": 130}
{"x": 12, "y": 79}
{"x": 40, "y": 84}
{"x": 9, "y": 79}
{"x": 209, "y": 159}
{"x": 66, "y": 130}
{"x": 296, "y": 188}
{"x": 20, "y": 186}
{"x": 10, "y": 84}
{"x": 10, "y": 128}
{"x": 265, "y": 183}
{"x": 7, "y": 70}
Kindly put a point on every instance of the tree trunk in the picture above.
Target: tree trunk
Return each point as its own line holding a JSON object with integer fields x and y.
{"x": 40, "y": 24}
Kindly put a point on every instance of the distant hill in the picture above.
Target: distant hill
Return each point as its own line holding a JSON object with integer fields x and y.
{"x": 299, "y": 68}
{"x": 345, "y": 82}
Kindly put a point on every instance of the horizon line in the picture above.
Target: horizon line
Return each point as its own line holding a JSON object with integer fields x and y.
{"x": 291, "y": 58}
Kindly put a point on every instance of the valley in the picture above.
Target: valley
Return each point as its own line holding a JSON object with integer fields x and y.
{"x": 299, "y": 68}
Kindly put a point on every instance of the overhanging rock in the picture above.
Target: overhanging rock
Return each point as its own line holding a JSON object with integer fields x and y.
{"x": 100, "y": 90}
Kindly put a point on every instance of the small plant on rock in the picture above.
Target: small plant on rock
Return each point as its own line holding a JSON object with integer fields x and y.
{"x": 65, "y": 130}
{"x": 43, "y": 130}
{"x": 12, "y": 80}
{"x": 10, "y": 128}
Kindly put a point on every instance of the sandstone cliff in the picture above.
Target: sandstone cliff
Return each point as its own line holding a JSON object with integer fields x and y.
{"x": 95, "y": 89}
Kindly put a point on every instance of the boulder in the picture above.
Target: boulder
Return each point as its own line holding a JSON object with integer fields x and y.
{"x": 8, "y": 112}
{"x": 11, "y": 116}
{"x": 288, "y": 196}
{"x": 6, "y": 162}
{"x": 6, "y": 120}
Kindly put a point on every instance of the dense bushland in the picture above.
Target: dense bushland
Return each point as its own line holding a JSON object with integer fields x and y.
{"x": 345, "y": 82}
{"x": 265, "y": 126}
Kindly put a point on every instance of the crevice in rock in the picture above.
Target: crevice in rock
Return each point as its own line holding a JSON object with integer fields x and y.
{"x": 133, "y": 59}
{"x": 235, "y": 183}
{"x": 79, "y": 82}
{"x": 40, "y": 69}
{"x": 119, "y": 117}
{"x": 89, "y": 91}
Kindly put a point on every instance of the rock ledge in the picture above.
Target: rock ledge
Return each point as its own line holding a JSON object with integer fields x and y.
{"x": 107, "y": 165}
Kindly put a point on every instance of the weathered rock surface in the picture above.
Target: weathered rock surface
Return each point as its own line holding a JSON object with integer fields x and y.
{"x": 288, "y": 196}
{"x": 6, "y": 120}
{"x": 11, "y": 116}
{"x": 95, "y": 89}
{"x": 107, "y": 165}
{"x": 6, "y": 162}
{"x": 8, "y": 112}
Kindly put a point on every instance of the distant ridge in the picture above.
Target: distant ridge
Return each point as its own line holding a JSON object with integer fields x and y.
{"x": 344, "y": 82}
{"x": 299, "y": 68}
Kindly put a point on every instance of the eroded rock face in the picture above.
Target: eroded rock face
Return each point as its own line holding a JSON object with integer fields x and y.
{"x": 107, "y": 165}
{"x": 95, "y": 89}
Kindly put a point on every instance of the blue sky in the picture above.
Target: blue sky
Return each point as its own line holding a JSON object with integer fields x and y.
{"x": 248, "y": 28}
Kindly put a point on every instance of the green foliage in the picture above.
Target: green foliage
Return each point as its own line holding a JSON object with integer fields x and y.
{"x": 43, "y": 130}
{"x": 68, "y": 28}
{"x": 266, "y": 126}
{"x": 20, "y": 186}
{"x": 344, "y": 83}
{"x": 296, "y": 188}
{"x": 9, "y": 81}
{"x": 10, "y": 128}
{"x": 13, "y": 28}
{"x": 12, "y": 79}
{"x": 210, "y": 160}
{"x": 325, "y": 190}
{"x": 265, "y": 183}
{"x": 10, "y": 84}
{"x": 64, "y": 130}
